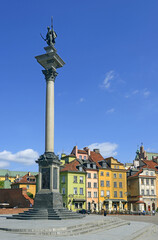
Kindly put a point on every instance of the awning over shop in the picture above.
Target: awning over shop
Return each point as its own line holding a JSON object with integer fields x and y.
{"x": 78, "y": 200}
{"x": 140, "y": 202}
{"x": 116, "y": 200}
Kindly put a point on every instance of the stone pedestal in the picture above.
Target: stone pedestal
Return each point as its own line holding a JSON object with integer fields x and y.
{"x": 48, "y": 200}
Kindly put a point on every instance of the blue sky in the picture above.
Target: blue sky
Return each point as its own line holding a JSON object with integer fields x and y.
{"x": 105, "y": 95}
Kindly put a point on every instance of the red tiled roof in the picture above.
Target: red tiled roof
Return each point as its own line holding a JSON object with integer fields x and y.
{"x": 24, "y": 179}
{"x": 136, "y": 174}
{"x": 140, "y": 202}
{"x": 96, "y": 157}
{"x": 150, "y": 164}
{"x": 82, "y": 151}
{"x": 71, "y": 166}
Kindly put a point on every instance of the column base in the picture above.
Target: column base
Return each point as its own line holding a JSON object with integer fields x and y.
{"x": 48, "y": 200}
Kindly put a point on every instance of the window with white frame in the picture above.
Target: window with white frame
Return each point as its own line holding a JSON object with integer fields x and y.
{"x": 101, "y": 173}
{"x": 108, "y": 183}
{"x": 89, "y": 175}
{"x": 121, "y": 194}
{"x": 115, "y": 184}
{"x": 147, "y": 181}
{"x": 75, "y": 179}
{"x": 142, "y": 192}
{"x": 81, "y": 191}
{"x": 95, "y": 195}
{"x": 152, "y": 182}
{"x": 115, "y": 175}
{"x": 120, "y": 175}
{"x": 89, "y": 194}
{"x": 147, "y": 192}
{"x": 84, "y": 157}
{"x": 80, "y": 157}
{"x": 102, "y": 193}
{"x": 95, "y": 175}
{"x": 81, "y": 179}
{"x": 108, "y": 193}
{"x": 89, "y": 184}
{"x": 75, "y": 190}
{"x": 120, "y": 184}
{"x": 102, "y": 183}
{"x": 95, "y": 185}
{"x": 152, "y": 192}
{"x": 115, "y": 193}
{"x": 107, "y": 174}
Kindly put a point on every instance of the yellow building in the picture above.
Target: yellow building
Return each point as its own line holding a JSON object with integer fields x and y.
{"x": 112, "y": 185}
{"x": 67, "y": 158}
{"x": 28, "y": 181}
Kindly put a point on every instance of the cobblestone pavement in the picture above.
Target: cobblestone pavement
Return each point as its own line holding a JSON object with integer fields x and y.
{"x": 139, "y": 230}
{"x": 141, "y": 218}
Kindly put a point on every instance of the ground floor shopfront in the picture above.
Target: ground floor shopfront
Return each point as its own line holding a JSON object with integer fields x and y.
{"x": 113, "y": 205}
{"x": 74, "y": 204}
{"x": 142, "y": 204}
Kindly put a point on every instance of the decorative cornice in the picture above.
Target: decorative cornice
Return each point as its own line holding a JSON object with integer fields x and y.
{"x": 47, "y": 159}
{"x": 50, "y": 74}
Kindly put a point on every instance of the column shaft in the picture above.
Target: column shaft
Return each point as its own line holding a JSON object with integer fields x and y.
{"x": 49, "y": 125}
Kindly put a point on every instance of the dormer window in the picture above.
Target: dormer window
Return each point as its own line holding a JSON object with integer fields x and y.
{"x": 80, "y": 169}
{"x": 94, "y": 166}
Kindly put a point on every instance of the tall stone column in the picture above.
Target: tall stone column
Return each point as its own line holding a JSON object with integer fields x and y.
{"x": 50, "y": 76}
{"x": 49, "y": 163}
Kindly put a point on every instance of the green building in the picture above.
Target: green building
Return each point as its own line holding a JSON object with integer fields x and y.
{"x": 73, "y": 186}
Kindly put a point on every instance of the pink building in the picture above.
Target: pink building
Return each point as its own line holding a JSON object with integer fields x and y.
{"x": 89, "y": 160}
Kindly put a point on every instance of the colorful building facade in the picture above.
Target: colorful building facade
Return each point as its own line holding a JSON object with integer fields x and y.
{"x": 112, "y": 185}
{"x": 73, "y": 186}
{"x": 28, "y": 181}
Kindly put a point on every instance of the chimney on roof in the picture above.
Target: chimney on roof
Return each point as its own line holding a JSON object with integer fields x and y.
{"x": 29, "y": 174}
{"x": 87, "y": 150}
{"x": 76, "y": 150}
{"x": 96, "y": 150}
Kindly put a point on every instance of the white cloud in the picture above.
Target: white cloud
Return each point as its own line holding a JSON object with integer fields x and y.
{"x": 107, "y": 149}
{"x": 27, "y": 156}
{"x": 81, "y": 100}
{"x": 135, "y": 92}
{"x": 107, "y": 81}
{"x": 111, "y": 110}
{"x": 4, "y": 164}
{"x": 146, "y": 93}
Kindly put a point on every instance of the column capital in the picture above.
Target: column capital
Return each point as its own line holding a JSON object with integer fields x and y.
{"x": 50, "y": 74}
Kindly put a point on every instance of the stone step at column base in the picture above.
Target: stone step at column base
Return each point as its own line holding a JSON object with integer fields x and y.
{"x": 47, "y": 213}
